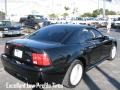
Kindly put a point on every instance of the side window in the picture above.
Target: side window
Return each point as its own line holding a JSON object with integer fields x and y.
{"x": 96, "y": 33}
{"x": 30, "y": 17}
{"x": 82, "y": 36}
{"x": 85, "y": 35}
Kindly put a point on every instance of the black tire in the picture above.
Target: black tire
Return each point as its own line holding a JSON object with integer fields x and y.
{"x": 66, "y": 81}
{"x": 112, "y": 57}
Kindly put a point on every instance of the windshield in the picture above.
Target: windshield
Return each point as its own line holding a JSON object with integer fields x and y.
{"x": 38, "y": 17}
{"x": 49, "y": 34}
{"x": 5, "y": 23}
{"x": 118, "y": 19}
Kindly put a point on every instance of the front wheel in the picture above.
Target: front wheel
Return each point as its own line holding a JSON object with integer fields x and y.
{"x": 74, "y": 74}
{"x": 113, "y": 52}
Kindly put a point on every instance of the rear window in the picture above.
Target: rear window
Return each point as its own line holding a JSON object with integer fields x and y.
{"x": 5, "y": 23}
{"x": 50, "y": 34}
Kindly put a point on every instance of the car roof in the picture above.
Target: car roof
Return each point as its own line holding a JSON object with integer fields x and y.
{"x": 70, "y": 26}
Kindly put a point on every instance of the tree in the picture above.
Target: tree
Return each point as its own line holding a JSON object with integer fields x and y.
{"x": 2, "y": 13}
{"x": 75, "y": 10}
{"x": 66, "y": 8}
{"x": 110, "y": 12}
{"x": 65, "y": 15}
{"x": 53, "y": 16}
{"x": 97, "y": 12}
{"x": 87, "y": 14}
{"x": 100, "y": 11}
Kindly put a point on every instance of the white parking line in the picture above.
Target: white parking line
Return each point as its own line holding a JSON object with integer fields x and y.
{"x": 1, "y": 69}
{"x": 1, "y": 49}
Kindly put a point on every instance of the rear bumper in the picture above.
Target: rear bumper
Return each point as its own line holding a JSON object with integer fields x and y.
{"x": 30, "y": 74}
{"x": 12, "y": 32}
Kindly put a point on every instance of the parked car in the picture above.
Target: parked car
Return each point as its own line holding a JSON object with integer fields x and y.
{"x": 57, "y": 53}
{"x": 34, "y": 21}
{"x": 6, "y": 28}
{"x": 116, "y": 23}
{"x": 101, "y": 22}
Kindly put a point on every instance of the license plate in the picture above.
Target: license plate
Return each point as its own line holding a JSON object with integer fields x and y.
{"x": 10, "y": 32}
{"x": 18, "y": 53}
{"x": 15, "y": 32}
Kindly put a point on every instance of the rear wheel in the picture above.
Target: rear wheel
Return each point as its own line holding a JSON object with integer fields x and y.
{"x": 74, "y": 74}
{"x": 113, "y": 52}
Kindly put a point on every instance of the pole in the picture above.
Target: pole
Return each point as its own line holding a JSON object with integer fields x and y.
{"x": 98, "y": 7}
{"x": 104, "y": 6}
{"x": 5, "y": 9}
{"x": 52, "y": 6}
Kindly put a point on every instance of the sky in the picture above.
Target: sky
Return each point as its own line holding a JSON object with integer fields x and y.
{"x": 25, "y": 7}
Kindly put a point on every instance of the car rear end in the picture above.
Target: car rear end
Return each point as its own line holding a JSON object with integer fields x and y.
{"x": 26, "y": 63}
{"x": 29, "y": 63}
{"x": 6, "y": 28}
{"x": 36, "y": 57}
{"x": 117, "y": 24}
{"x": 12, "y": 31}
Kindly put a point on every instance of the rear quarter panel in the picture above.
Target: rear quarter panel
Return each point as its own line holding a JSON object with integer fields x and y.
{"x": 63, "y": 56}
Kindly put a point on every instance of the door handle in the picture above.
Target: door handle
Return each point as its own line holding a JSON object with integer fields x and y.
{"x": 89, "y": 48}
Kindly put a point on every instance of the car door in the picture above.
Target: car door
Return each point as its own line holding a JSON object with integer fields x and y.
{"x": 30, "y": 20}
{"x": 96, "y": 52}
{"x": 89, "y": 45}
{"x": 102, "y": 42}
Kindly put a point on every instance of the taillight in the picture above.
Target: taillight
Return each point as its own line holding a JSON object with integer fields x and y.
{"x": 41, "y": 59}
{"x": 19, "y": 45}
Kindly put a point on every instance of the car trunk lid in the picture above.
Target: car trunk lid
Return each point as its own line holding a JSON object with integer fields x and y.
{"x": 21, "y": 49}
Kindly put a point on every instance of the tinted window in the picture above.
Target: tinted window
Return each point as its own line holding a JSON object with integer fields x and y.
{"x": 85, "y": 35}
{"x": 79, "y": 36}
{"x": 5, "y": 23}
{"x": 73, "y": 38}
{"x": 96, "y": 33}
{"x": 50, "y": 34}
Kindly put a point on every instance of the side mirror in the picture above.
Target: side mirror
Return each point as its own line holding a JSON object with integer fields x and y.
{"x": 105, "y": 37}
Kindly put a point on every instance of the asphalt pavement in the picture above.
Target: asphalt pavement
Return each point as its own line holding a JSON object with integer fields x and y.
{"x": 106, "y": 76}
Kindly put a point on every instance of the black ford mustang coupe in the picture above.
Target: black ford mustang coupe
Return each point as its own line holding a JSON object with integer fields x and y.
{"x": 57, "y": 53}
